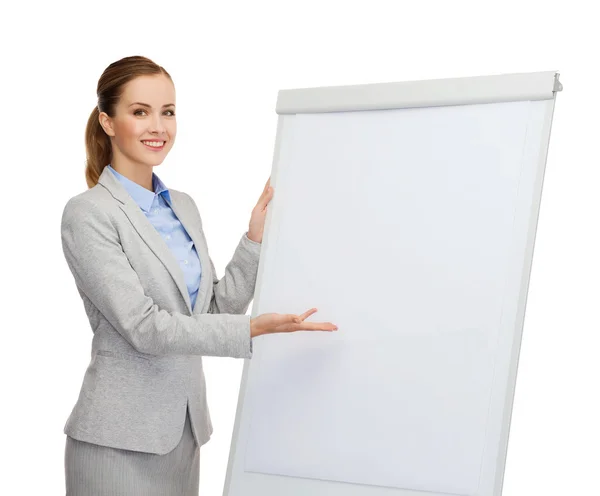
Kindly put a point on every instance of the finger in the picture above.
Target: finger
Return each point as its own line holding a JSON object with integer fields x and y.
{"x": 268, "y": 194}
{"x": 318, "y": 326}
{"x": 268, "y": 197}
{"x": 265, "y": 198}
{"x": 308, "y": 313}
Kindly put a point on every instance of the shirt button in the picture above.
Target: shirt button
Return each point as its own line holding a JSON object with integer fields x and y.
{"x": 168, "y": 236}
{"x": 156, "y": 210}
{"x": 185, "y": 262}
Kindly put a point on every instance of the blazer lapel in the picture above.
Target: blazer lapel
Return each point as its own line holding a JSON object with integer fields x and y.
{"x": 187, "y": 219}
{"x": 147, "y": 231}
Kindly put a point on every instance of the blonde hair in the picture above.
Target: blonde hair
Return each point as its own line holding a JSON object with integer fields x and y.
{"x": 98, "y": 148}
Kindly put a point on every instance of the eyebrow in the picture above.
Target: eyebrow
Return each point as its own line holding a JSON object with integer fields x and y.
{"x": 150, "y": 106}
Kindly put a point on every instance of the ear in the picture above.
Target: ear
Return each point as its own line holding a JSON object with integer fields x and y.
{"x": 106, "y": 123}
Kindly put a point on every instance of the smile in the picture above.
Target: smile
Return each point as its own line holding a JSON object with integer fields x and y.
{"x": 155, "y": 145}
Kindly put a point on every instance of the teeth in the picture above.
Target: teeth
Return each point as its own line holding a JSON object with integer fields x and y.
{"x": 154, "y": 143}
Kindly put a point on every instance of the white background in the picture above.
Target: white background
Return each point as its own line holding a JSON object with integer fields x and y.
{"x": 228, "y": 60}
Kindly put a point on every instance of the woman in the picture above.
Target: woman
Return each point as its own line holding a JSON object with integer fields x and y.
{"x": 140, "y": 261}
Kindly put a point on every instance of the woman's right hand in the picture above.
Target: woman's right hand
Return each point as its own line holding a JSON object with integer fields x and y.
{"x": 270, "y": 323}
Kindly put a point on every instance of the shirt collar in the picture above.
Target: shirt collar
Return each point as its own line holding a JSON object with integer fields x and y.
{"x": 141, "y": 195}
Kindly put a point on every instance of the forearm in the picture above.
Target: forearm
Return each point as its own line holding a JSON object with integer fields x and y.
{"x": 233, "y": 293}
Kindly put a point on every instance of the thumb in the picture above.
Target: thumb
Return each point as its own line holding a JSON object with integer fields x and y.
{"x": 266, "y": 197}
{"x": 290, "y": 317}
{"x": 283, "y": 318}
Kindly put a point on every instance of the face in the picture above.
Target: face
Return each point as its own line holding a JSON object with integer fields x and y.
{"x": 145, "y": 116}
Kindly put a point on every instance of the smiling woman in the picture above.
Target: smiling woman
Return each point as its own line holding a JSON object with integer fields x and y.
{"x": 139, "y": 257}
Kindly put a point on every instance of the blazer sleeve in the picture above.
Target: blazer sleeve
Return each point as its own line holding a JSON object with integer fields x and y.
{"x": 234, "y": 291}
{"x": 102, "y": 271}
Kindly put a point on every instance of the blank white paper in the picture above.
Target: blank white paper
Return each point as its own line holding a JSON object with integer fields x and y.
{"x": 397, "y": 226}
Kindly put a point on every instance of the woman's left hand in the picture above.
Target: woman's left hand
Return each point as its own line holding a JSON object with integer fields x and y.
{"x": 259, "y": 213}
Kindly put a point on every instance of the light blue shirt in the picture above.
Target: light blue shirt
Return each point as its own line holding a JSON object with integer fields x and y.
{"x": 157, "y": 208}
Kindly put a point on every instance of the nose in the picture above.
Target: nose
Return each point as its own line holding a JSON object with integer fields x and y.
{"x": 157, "y": 126}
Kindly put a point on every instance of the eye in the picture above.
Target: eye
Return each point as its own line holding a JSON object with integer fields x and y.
{"x": 142, "y": 110}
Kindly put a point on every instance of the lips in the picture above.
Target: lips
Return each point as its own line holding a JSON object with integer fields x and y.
{"x": 155, "y": 148}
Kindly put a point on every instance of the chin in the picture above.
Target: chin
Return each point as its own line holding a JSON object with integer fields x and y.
{"x": 150, "y": 163}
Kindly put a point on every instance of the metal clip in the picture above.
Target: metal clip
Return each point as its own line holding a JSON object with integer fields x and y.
{"x": 557, "y": 84}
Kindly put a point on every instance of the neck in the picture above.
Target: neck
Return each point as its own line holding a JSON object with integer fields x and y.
{"x": 138, "y": 173}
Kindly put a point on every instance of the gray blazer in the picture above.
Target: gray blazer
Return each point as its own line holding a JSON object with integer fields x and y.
{"x": 146, "y": 358}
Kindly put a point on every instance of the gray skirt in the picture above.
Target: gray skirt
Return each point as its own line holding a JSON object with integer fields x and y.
{"x": 93, "y": 470}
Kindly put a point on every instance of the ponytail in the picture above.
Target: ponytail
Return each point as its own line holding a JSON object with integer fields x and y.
{"x": 98, "y": 149}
